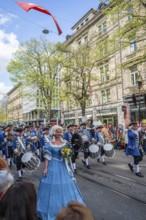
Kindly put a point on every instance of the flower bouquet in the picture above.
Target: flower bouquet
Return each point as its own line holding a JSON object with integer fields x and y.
{"x": 66, "y": 152}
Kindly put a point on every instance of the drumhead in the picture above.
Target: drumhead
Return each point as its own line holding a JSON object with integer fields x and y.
{"x": 93, "y": 148}
{"x": 26, "y": 157}
{"x": 108, "y": 147}
{"x": 84, "y": 137}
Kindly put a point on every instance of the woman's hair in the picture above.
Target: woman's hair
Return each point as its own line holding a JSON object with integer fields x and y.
{"x": 68, "y": 214}
{"x": 19, "y": 202}
{"x": 3, "y": 164}
{"x": 74, "y": 211}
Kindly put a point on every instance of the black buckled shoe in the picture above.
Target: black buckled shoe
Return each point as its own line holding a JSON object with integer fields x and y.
{"x": 84, "y": 162}
{"x": 19, "y": 179}
{"x": 75, "y": 170}
{"x": 98, "y": 160}
{"x": 131, "y": 167}
{"x": 104, "y": 163}
{"x": 139, "y": 174}
{"x": 88, "y": 167}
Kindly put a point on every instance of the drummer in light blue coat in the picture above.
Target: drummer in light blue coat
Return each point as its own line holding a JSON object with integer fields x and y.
{"x": 100, "y": 140}
{"x": 133, "y": 148}
{"x": 85, "y": 130}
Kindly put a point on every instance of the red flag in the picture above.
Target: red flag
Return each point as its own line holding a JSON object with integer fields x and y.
{"x": 29, "y": 6}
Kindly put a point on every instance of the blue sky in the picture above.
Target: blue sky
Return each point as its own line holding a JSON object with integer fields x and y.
{"x": 17, "y": 25}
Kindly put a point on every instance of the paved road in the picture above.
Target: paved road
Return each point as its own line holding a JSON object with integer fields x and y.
{"x": 112, "y": 192}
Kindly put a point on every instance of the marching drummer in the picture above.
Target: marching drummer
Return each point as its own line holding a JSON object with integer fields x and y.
{"x": 76, "y": 142}
{"x": 85, "y": 130}
{"x": 45, "y": 138}
{"x": 100, "y": 140}
{"x": 68, "y": 134}
{"x": 20, "y": 146}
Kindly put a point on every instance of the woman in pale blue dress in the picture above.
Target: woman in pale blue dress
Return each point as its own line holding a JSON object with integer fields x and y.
{"x": 57, "y": 186}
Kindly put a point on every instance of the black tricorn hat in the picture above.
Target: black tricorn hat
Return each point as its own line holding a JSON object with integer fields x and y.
{"x": 133, "y": 123}
{"x": 46, "y": 129}
{"x": 27, "y": 126}
{"x": 99, "y": 126}
{"x": 71, "y": 125}
{"x": 9, "y": 125}
{"x": 19, "y": 129}
{"x": 83, "y": 123}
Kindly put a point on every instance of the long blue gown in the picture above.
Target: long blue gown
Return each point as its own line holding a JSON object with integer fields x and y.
{"x": 58, "y": 188}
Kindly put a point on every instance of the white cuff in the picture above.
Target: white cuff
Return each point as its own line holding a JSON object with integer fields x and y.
{"x": 48, "y": 157}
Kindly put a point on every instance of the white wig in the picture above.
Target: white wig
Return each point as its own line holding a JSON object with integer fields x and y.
{"x": 53, "y": 131}
{"x": 55, "y": 128}
{"x": 6, "y": 180}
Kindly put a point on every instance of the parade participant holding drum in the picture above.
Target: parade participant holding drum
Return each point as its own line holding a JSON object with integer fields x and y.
{"x": 20, "y": 146}
{"x": 86, "y": 136}
{"x": 100, "y": 140}
{"x": 76, "y": 142}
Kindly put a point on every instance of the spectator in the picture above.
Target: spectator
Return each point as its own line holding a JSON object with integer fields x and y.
{"x": 74, "y": 211}
{"x": 19, "y": 202}
{"x": 6, "y": 179}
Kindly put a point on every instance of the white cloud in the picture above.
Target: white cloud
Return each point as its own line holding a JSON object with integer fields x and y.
{"x": 8, "y": 45}
{"x": 4, "y": 89}
{"x": 8, "y": 42}
{"x": 6, "y": 18}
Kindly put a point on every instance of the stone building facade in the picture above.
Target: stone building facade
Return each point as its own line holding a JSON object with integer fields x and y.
{"x": 111, "y": 97}
{"x": 15, "y": 104}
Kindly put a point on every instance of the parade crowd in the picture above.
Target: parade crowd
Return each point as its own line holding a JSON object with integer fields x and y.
{"x": 25, "y": 147}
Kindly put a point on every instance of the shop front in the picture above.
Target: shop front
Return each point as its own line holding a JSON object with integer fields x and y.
{"x": 107, "y": 115}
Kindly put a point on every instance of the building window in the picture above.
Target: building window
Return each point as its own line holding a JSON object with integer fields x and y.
{"x": 102, "y": 28}
{"x": 79, "y": 42}
{"x": 130, "y": 11}
{"x": 85, "y": 39}
{"x": 106, "y": 96}
{"x": 104, "y": 73}
{"x": 133, "y": 46}
{"x": 55, "y": 103}
{"x": 134, "y": 76}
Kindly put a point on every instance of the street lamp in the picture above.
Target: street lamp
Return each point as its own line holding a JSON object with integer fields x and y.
{"x": 139, "y": 83}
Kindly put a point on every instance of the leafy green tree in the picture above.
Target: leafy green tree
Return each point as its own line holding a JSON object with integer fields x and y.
{"x": 37, "y": 65}
{"x": 79, "y": 73}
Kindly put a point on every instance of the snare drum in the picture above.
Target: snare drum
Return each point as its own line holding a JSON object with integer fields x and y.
{"x": 30, "y": 160}
{"x": 109, "y": 150}
{"x": 85, "y": 140}
{"x": 94, "y": 151}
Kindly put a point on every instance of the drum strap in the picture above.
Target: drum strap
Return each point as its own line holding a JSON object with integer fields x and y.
{"x": 47, "y": 139}
{"x": 20, "y": 141}
{"x": 101, "y": 138}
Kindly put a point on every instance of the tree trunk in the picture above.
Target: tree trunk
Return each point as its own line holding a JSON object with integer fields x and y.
{"x": 83, "y": 108}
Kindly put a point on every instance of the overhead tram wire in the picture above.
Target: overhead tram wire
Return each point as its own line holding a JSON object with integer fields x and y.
{"x": 50, "y": 31}
{"x": 66, "y": 20}
{"x": 32, "y": 22}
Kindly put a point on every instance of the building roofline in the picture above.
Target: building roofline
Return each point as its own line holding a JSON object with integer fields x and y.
{"x": 82, "y": 18}
{"x": 14, "y": 88}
